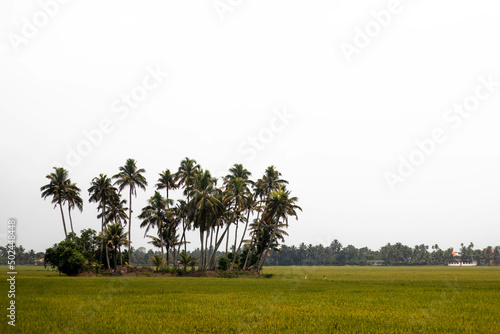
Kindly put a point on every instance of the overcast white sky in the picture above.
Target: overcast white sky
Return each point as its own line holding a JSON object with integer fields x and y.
{"x": 355, "y": 89}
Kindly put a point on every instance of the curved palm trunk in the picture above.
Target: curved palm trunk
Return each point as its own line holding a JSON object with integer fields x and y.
{"x": 71, "y": 224}
{"x": 64, "y": 222}
{"x": 217, "y": 244}
{"x": 129, "y": 227}
{"x": 237, "y": 251}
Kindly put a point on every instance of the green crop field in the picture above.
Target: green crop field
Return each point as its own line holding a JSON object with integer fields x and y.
{"x": 331, "y": 299}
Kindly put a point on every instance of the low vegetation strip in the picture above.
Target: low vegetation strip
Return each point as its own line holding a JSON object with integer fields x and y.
{"x": 292, "y": 300}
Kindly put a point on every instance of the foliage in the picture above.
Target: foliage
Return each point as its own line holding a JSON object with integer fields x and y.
{"x": 224, "y": 263}
{"x": 67, "y": 257}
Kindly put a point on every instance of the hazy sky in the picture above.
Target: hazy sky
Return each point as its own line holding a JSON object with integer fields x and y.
{"x": 382, "y": 115}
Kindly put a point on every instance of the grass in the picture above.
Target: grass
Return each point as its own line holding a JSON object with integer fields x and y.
{"x": 331, "y": 299}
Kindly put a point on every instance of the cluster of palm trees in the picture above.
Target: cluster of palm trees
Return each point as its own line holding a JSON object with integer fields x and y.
{"x": 262, "y": 208}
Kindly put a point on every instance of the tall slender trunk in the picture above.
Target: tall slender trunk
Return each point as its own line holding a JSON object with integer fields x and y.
{"x": 102, "y": 231}
{"x": 64, "y": 222}
{"x": 227, "y": 239}
{"x": 217, "y": 244}
{"x": 71, "y": 224}
{"x": 107, "y": 257}
{"x": 130, "y": 227}
{"x": 249, "y": 254}
{"x": 121, "y": 256}
{"x": 115, "y": 258}
{"x": 237, "y": 251}
{"x": 207, "y": 249}
{"x": 234, "y": 249}
{"x": 160, "y": 232}
{"x": 168, "y": 256}
{"x": 200, "y": 268}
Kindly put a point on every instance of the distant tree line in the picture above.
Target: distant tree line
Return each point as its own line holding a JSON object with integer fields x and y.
{"x": 391, "y": 254}
{"x": 23, "y": 257}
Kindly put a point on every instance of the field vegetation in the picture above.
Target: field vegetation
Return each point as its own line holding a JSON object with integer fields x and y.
{"x": 285, "y": 299}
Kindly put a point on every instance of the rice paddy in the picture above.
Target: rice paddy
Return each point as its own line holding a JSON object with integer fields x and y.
{"x": 292, "y": 300}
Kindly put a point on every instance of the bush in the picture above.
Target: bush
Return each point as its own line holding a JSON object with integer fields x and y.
{"x": 224, "y": 263}
{"x": 66, "y": 257}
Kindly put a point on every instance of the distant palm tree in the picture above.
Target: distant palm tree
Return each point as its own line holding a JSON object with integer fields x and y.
{"x": 157, "y": 261}
{"x": 186, "y": 260}
{"x": 73, "y": 199}
{"x": 130, "y": 176}
{"x": 57, "y": 188}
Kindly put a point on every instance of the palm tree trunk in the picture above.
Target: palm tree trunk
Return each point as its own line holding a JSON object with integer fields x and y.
{"x": 121, "y": 256}
{"x": 129, "y": 227}
{"x": 107, "y": 257}
{"x": 200, "y": 268}
{"x": 115, "y": 258}
{"x": 71, "y": 224}
{"x": 206, "y": 252}
{"x": 244, "y": 232}
{"x": 227, "y": 239}
{"x": 263, "y": 256}
{"x": 64, "y": 222}
{"x": 234, "y": 249}
{"x": 217, "y": 244}
{"x": 249, "y": 254}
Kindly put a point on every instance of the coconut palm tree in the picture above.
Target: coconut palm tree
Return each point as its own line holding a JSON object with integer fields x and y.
{"x": 166, "y": 181}
{"x": 185, "y": 260}
{"x": 102, "y": 192}
{"x": 57, "y": 188}
{"x": 279, "y": 206}
{"x": 155, "y": 215}
{"x": 186, "y": 174}
{"x": 73, "y": 199}
{"x": 204, "y": 206}
{"x": 157, "y": 261}
{"x": 113, "y": 237}
{"x": 130, "y": 176}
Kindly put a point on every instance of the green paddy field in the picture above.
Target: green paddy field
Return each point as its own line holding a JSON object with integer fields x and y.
{"x": 329, "y": 300}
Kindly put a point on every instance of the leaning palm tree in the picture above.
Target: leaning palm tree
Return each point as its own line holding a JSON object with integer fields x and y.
{"x": 72, "y": 197}
{"x": 57, "y": 188}
{"x": 130, "y": 176}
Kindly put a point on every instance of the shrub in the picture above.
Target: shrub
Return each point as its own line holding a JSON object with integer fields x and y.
{"x": 224, "y": 263}
{"x": 66, "y": 257}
